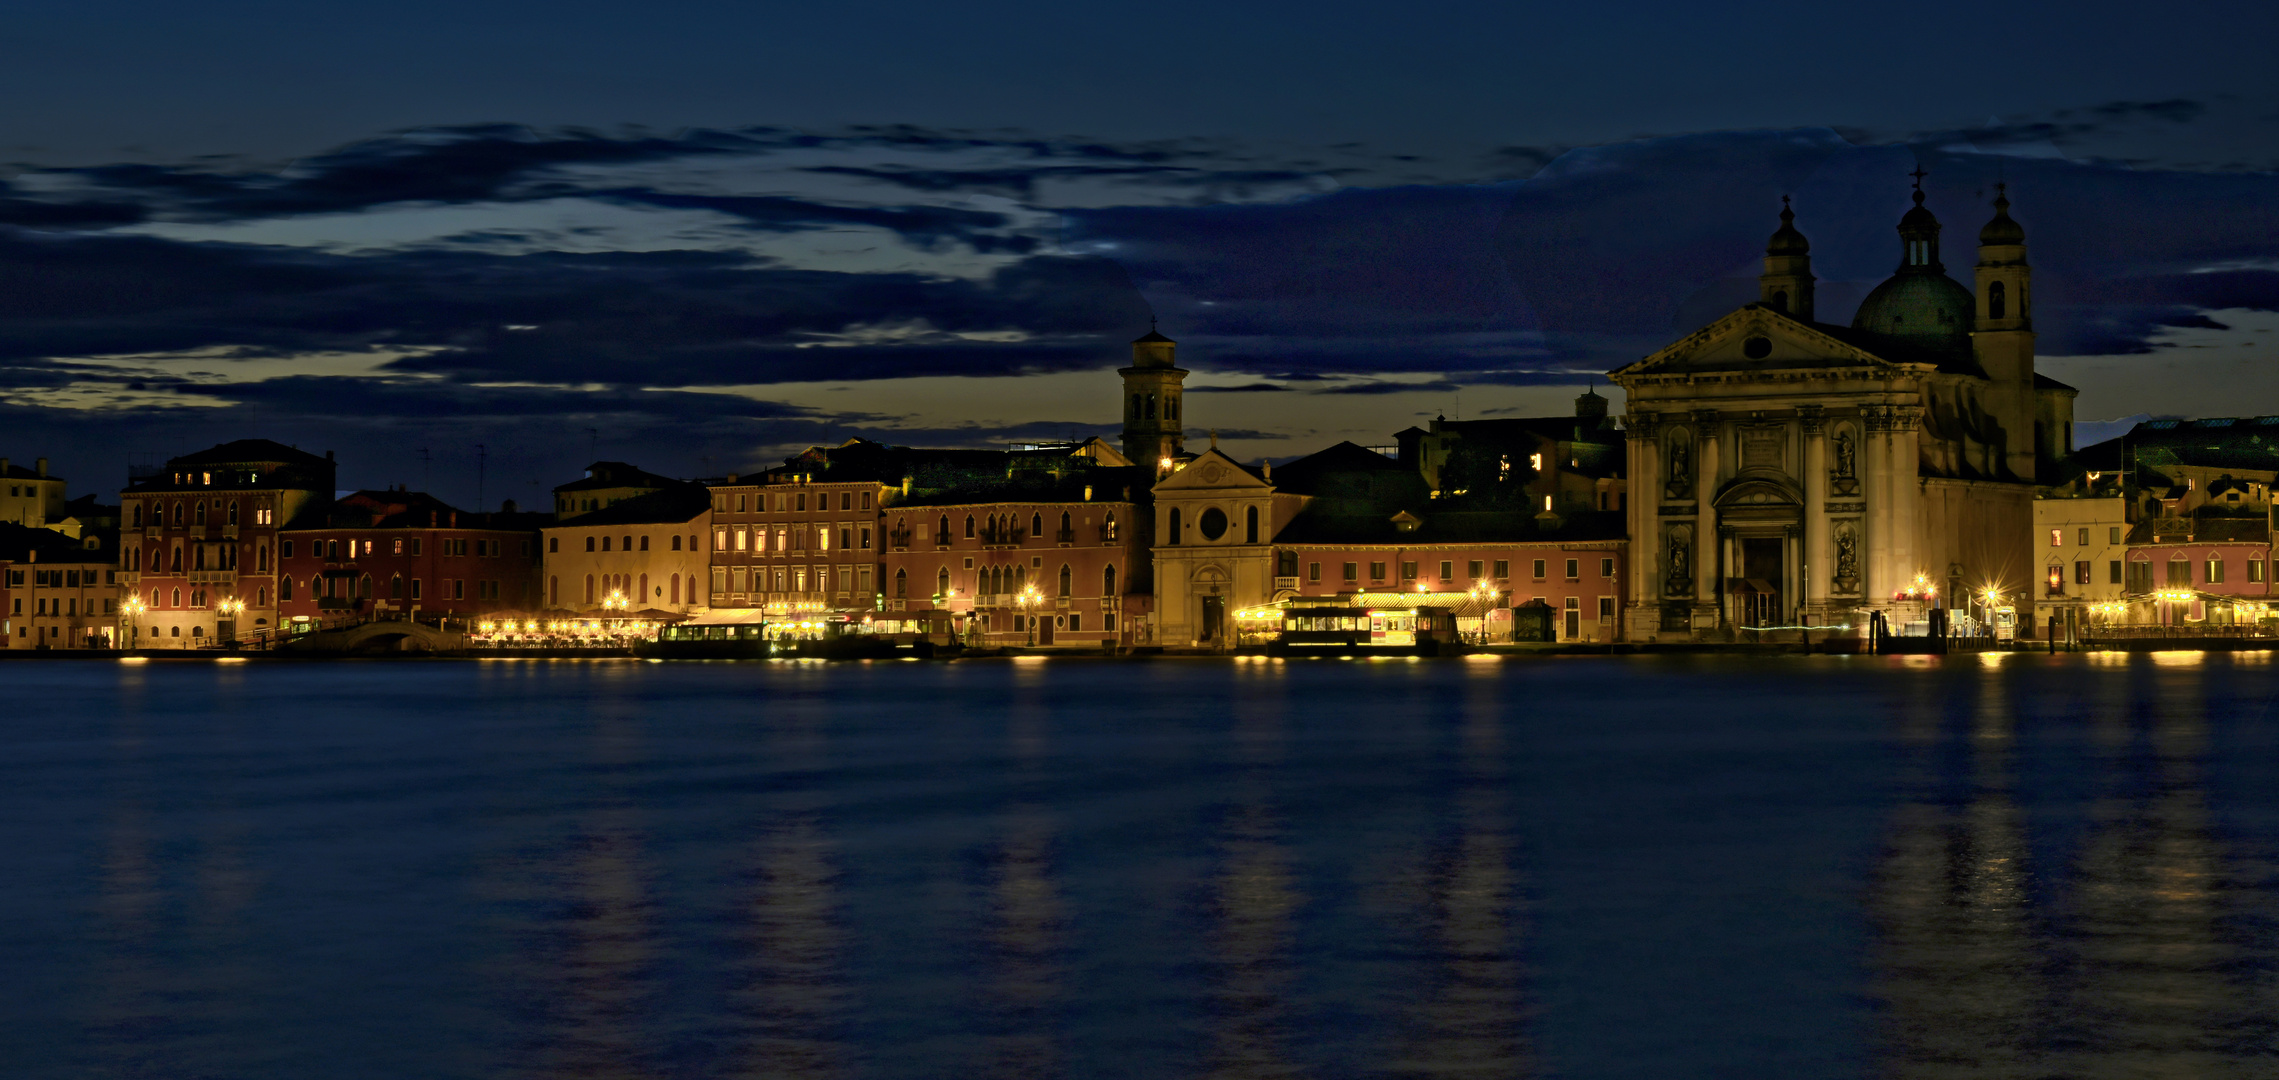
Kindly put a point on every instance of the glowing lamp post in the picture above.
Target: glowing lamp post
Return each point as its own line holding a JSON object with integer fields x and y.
{"x": 228, "y": 611}
{"x": 1027, "y": 600}
{"x": 130, "y": 617}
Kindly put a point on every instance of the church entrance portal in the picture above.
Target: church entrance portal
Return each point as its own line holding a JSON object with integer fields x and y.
{"x": 1758, "y": 594}
{"x": 1214, "y": 619}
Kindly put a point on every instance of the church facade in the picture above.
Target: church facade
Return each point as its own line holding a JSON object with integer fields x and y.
{"x": 1787, "y": 473}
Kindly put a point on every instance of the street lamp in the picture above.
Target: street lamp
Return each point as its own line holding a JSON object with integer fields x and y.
{"x": 130, "y": 613}
{"x": 1027, "y": 600}
{"x": 228, "y": 610}
{"x": 1484, "y": 594}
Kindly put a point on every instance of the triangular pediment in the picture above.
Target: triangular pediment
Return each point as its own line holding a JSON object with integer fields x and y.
{"x": 1757, "y": 338}
{"x": 1212, "y": 471}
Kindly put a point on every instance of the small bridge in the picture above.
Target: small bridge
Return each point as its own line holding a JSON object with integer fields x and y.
{"x": 379, "y": 638}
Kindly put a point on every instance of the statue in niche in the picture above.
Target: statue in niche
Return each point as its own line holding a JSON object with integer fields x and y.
{"x": 1680, "y": 579}
{"x": 1843, "y": 476}
{"x": 1681, "y": 470}
{"x": 1847, "y": 560}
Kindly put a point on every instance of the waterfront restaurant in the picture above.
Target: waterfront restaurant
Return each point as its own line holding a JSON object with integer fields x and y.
{"x": 2199, "y": 571}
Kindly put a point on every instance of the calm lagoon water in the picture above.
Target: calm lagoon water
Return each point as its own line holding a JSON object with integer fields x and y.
{"x": 2019, "y": 866}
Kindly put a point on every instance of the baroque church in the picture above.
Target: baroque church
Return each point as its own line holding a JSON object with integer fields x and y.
{"x": 1785, "y": 472}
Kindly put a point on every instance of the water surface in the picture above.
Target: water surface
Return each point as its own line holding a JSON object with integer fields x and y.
{"x": 1588, "y": 867}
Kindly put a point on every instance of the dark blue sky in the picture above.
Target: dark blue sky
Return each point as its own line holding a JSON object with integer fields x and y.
{"x": 698, "y": 235}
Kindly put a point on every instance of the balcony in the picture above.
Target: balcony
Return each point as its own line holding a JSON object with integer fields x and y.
{"x": 197, "y": 532}
{"x": 1002, "y": 537}
{"x": 898, "y": 539}
{"x": 1290, "y": 583}
{"x": 1065, "y": 537}
{"x": 212, "y": 577}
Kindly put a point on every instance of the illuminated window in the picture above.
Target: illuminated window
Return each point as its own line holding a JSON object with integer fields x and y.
{"x": 2057, "y": 537}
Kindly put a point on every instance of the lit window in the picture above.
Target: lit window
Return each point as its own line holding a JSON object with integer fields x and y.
{"x": 2057, "y": 537}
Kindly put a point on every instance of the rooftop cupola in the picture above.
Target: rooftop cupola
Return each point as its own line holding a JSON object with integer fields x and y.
{"x": 1786, "y": 285}
{"x": 1919, "y": 235}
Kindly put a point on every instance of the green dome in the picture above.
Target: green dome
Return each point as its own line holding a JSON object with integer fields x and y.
{"x": 1930, "y": 311}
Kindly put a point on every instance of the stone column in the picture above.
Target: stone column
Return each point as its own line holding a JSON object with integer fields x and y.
{"x": 1643, "y": 591}
{"x": 1875, "y": 485}
{"x": 1813, "y": 566}
{"x": 1707, "y": 544}
{"x": 1907, "y": 497}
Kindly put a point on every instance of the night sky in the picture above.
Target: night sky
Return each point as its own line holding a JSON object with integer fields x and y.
{"x": 699, "y": 237}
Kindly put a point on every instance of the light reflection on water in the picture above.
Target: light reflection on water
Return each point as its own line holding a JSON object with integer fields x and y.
{"x": 2017, "y": 865}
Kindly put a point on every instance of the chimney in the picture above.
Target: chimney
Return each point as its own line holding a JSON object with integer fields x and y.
{"x": 42, "y": 465}
{"x": 507, "y": 507}
{"x": 328, "y": 455}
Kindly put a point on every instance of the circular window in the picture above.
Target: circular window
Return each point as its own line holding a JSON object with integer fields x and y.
{"x": 1757, "y": 348}
{"x": 1213, "y": 523}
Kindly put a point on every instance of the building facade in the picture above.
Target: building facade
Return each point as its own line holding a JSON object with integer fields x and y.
{"x": 405, "y": 552}
{"x": 1064, "y": 567}
{"x": 645, "y": 553}
{"x": 198, "y": 551}
{"x": 56, "y": 591}
{"x": 30, "y": 496}
{"x": 1787, "y": 472}
{"x": 796, "y": 540}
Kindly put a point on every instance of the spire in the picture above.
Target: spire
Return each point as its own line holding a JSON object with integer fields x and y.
{"x": 1786, "y": 240}
{"x": 2002, "y": 229}
{"x": 1786, "y": 284}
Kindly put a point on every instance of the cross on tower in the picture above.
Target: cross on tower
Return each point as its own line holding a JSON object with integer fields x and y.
{"x": 1918, "y": 174}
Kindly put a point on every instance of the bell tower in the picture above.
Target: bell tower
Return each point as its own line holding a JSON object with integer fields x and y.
{"x": 2004, "y": 326}
{"x": 1153, "y": 412}
{"x": 1786, "y": 285}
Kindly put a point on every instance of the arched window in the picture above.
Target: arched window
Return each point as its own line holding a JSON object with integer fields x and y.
{"x": 261, "y": 559}
{"x": 901, "y": 584}
{"x": 942, "y": 532}
{"x": 1250, "y": 525}
{"x": 1108, "y": 528}
{"x": 284, "y": 589}
{"x": 589, "y": 588}
{"x": 198, "y": 514}
{"x": 1174, "y": 526}
{"x": 676, "y": 545}
{"x": 364, "y": 587}
{"x": 1780, "y": 300}
{"x": 942, "y": 582}
{"x": 554, "y": 590}
{"x": 233, "y": 513}
{"x": 1108, "y": 580}
{"x": 676, "y": 594}
{"x": 177, "y": 558}
{"x": 969, "y": 526}
{"x": 605, "y": 543}
{"x": 1997, "y": 300}
{"x": 589, "y": 543}
{"x": 178, "y": 513}
{"x": 1036, "y": 524}
{"x": 396, "y": 587}
{"x": 1065, "y": 579}
{"x": 1020, "y": 579}
{"x": 138, "y": 515}
{"x": 1067, "y": 527}
{"x": 644, "y": 541}
{"x": 644, "y": 586}
{"x": 177, "y": 598}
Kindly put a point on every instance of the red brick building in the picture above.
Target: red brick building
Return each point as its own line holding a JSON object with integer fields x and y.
{"x": 1066, "y": 566}
{"x": 406, "y": 551}
{"x": 202, "y": 531}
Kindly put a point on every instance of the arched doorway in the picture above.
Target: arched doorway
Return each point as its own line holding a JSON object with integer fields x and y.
{"x": 1211, "y": 585}
{"x": 1760, "y": 522}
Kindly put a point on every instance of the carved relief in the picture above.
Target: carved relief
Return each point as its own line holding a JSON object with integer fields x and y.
{"x": 1678, "y": 581}
{"x": 1678, "y": 465}
{"x": 1847, "y": 544}
{"x": 1843, "y": 463}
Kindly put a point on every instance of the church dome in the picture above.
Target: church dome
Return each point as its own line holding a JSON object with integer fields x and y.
{"x": 1931, "y": 311}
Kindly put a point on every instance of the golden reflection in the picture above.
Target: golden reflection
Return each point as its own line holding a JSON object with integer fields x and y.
{"x": 1024, "y": 942}
{"x": 2152, "y": 995}
{"x": 1255, "y": 896}
{"x": 1470, "y": 1018}
{"x": 2193, "y": 658}
{"x": 1958, "y": 966}
{"x": 791, "y": 997}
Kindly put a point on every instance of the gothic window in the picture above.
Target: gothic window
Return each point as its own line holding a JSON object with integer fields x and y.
{"x": 1108, "y": 581}
{"x": 969, "y": 526}
{"x": 1108, "y": 527}
{"x": 396, "y": 587}
{"x": 901, "y": 584}
{"x": 1996, "y": 302}
{"x": 1067, "y": 527}
{"x": 1036, "y": 524}
{"x": 1065, "y": 579}
{"x": 942, "y": 582}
